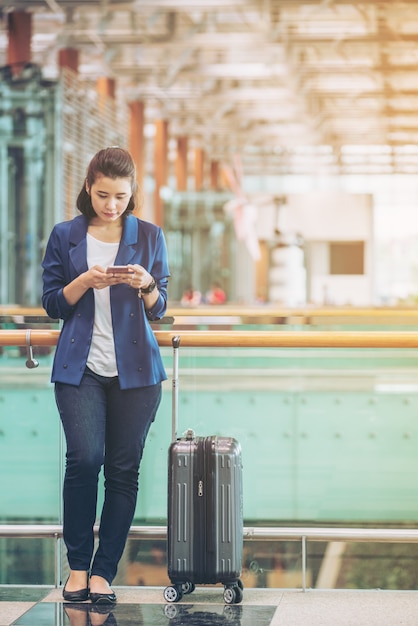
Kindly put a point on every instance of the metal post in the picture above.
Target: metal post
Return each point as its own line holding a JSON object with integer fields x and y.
{"x": 57, "y": 561}
{"x": 304, "y": 562}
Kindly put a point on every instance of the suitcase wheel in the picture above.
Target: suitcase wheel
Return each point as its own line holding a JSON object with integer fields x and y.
{"x": 173, "y": 593}
{"x": 233, "y": 594}
{"x": 188, "y": 587}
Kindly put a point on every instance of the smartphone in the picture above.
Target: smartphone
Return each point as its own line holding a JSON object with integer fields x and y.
{"x": 118, "y": 269}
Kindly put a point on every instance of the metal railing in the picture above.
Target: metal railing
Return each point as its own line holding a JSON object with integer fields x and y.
{"x": 391, "y": 314}
{"x": 302, "y": 534}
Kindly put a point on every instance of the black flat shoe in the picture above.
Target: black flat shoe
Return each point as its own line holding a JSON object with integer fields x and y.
{"x": 103, "y": 598}
{"x": 75, "y": 596}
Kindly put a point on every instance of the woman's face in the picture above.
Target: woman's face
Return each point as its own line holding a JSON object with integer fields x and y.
{"x": 110, "y": 197}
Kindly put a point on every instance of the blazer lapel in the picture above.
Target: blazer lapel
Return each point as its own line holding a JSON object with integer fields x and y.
{"x": 78, "y": 245}
{"x": 127, "y": 246}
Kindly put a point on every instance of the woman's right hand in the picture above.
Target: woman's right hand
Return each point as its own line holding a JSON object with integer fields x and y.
{"x": 97, "y": 278}
{"x": 94, "y": 278}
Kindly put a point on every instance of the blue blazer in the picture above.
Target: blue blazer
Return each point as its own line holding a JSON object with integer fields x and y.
{"x": 137, "y": 352}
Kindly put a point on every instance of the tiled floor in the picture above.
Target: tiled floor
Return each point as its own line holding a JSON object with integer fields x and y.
{"x": 145, "y": 606}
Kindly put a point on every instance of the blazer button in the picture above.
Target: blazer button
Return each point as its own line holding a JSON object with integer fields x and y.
{"x": 131, "y": 315}
{"x": 65, "y": 366}
{"x": 134, "y": 341}
{"x": 72, "y": 340}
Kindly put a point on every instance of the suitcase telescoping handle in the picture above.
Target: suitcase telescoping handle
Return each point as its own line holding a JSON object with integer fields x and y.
{"x": 174, "y": 385}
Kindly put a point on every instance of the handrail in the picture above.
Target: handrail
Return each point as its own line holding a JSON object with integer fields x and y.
{"x": 285, "y": 312}
{"x": 303, "y": 534}
{"x": 251, "y": 533}
{"x": 267, "y": 310}
{"x": 247, "y": 339}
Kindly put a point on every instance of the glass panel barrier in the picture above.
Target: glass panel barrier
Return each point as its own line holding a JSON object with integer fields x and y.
{"x": 328, "y": 439}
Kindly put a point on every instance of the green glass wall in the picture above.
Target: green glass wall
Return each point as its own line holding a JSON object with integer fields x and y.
{"x": 327, "y": 436}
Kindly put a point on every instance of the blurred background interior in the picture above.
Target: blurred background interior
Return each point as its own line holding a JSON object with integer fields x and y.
{"x": 276, "y": 143}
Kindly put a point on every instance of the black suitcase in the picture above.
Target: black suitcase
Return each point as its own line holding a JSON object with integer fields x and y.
{"x": 205, "y": 511}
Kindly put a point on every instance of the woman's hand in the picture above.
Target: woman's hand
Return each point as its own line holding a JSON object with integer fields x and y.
{"x": 95, "y": 278}
{"x": 135, "y": 276}
{"x": 140, "y": 278}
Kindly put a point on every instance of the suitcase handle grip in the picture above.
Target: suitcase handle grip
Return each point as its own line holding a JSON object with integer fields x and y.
{"x": 175, "y": 393}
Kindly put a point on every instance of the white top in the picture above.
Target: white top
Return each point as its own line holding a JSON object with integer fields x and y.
{"x": 102, "y": 357}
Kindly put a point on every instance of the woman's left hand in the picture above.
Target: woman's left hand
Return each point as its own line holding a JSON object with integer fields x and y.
{"x": 140, "y": 279}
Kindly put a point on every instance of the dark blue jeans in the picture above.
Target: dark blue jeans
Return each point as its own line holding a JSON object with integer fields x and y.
{"x": 107, "y": 426}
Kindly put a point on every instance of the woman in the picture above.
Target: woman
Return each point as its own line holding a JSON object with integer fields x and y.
{"x": 107, "y": 368}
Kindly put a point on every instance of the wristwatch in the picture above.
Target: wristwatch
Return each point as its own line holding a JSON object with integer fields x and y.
{"x": 150, "y": 287}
